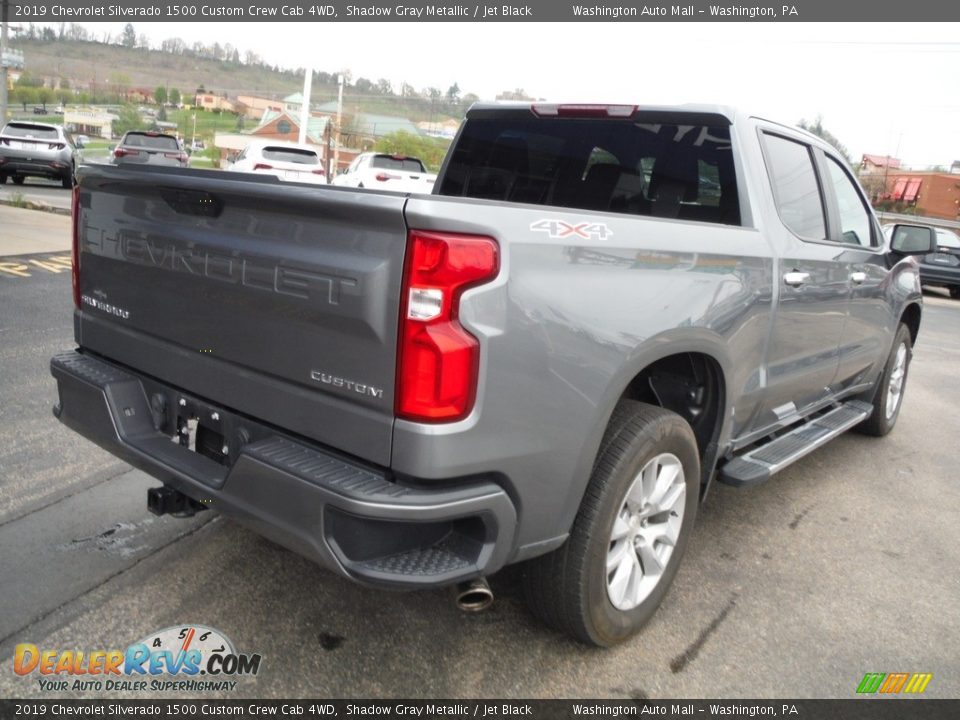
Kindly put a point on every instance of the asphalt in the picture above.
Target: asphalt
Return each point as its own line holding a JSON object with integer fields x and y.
{"x": 843, "y": 564}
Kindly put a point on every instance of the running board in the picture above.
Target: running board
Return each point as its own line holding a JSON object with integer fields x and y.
{"x": 759, "y": 464}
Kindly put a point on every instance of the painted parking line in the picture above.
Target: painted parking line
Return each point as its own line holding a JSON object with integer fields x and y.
{"x": 25, "y": 267}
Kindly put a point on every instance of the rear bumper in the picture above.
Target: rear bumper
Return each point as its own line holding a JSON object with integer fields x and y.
{"x": 35, "y": 168}
{"x": 351, "y": 518}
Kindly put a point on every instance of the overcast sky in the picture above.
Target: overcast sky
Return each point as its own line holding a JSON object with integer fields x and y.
{"x": 881, "y": 88}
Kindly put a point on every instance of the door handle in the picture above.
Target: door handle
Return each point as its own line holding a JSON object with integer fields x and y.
{"x": 796, "y": 278}
{"x": 858, "y": 277}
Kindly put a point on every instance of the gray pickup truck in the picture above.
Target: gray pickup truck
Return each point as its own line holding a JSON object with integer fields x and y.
{"x": 600, "y": 311}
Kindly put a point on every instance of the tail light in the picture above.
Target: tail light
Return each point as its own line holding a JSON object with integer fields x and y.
{"x": 57, "y": 146}
{"x": 383, "y": 177}
{"x": 438, "y": 360}
{"x": 178, "y": 156}
{"x": 318, "y": 172}
{"x": 123, "y": 152}
{"x": 262, "y": 166}
{"x": 75, "y": 246}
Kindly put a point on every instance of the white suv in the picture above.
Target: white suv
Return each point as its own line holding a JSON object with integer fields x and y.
{"x": 286, "y": 160}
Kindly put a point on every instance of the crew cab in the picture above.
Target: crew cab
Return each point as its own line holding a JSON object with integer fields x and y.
{"x": 598, "y": 313}
{"x": 382, "y": 171}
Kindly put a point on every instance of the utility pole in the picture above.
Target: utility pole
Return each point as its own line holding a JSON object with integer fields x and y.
{"x": 336, "y": 147}
{"x": 3, "y": 63}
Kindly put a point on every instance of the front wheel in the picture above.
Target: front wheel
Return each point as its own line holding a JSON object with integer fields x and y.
{"x": 888, "y": 395}
{"x": 630, "y": 533}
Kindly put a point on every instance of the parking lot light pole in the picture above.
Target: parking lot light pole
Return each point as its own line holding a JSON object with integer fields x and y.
{"x": 3, "y": 63}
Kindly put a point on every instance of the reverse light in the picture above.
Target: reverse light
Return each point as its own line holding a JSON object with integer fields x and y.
{"x": 438, "y": 361}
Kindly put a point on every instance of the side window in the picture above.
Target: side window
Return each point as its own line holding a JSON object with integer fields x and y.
{"x": 854, "y": 218}
{"x": 795, "y": 187}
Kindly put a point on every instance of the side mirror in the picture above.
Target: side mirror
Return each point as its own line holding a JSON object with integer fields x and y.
{"x": 913, "y": 239}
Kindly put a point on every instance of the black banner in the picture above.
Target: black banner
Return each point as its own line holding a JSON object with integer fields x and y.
{"x": 488, "y": 11}
{"x": 853, "y": 709}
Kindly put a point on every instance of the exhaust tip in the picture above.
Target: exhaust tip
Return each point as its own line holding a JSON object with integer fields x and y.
{"x": 474, "y": 596}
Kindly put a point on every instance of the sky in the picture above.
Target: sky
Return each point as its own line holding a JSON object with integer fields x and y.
{"x": 881, "y": 88}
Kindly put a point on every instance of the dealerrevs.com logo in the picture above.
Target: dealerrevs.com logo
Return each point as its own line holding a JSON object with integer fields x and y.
{"x": 184, "y": 658}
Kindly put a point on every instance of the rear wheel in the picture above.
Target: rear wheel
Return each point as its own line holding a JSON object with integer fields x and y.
{"x": 888, "y": 395}
{"x": 630, "y": 533}
{"x": 18, "y": 179}
{"x": 67, "y": 181}
{"x": 955, "y": 292}
{"x": 3, "y": 179}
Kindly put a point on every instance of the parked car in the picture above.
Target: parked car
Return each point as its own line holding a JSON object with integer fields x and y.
{"x": 549, "y": 361}
{"x": 31, "y": 149}
{"x": 289, "y": 161}
{"x": 147, "y": 147}
{"x": 381, "y": 171}
{"x": 942, "y": 266}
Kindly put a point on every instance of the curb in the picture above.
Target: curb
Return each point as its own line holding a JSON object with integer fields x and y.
{"x": 33, "y": 205}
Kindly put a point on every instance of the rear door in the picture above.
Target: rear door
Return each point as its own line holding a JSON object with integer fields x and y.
{"x": 276, "y": 300}
{"x": 813, "y": 284}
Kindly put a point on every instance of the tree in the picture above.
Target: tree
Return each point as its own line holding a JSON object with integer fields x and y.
{"x": 128, "y": 119}
{"x": 516, "y": 94}
{"x": 816, "y": 128}
{"x": 175, "y": 97}
{"x": 384, "y": 87}
{"x": 160, "y": 95}
{"x": 453, "y": 94}
{"x": 44, "y": 95}
{"x": 430, "y": 150}
{"x": 129, "y": 36}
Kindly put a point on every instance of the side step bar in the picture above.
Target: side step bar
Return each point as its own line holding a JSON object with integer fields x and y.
{"x": 761, "y": 463}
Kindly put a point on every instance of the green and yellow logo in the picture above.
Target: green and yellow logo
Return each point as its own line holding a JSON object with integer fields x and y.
{"x": 892, "y": 683}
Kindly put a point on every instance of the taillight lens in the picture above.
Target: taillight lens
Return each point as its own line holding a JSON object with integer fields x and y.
{"x": 57, "y": 146}
{"x": 438, "y": 360}
{"x": 75, "y": 247}
{"x": 123, "y": 152}
{"x": 383, "y": 177}
{"x": 318, "y": 172}
{"x": 262, "y": 166}
{"x": 583, "y": 111}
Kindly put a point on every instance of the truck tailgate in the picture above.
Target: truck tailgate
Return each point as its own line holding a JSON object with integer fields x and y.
{"x": 276, "y": 300}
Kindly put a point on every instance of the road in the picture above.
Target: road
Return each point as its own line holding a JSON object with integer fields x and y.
{"x": 37, "y": 190}
{"x": 845, "y": 563}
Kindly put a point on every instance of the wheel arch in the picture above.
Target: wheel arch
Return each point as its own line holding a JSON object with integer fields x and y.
{"x": 911, "y": 318}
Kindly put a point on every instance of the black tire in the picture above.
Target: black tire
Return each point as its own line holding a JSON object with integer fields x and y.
{"x": 879, "y": 423}
{"x": 955, "y": 292}
{"x": 67, "y": 181}
{"x": 568, "y": 588}
{"x": 3, "y": 179}
{"x": 18, "y": 179}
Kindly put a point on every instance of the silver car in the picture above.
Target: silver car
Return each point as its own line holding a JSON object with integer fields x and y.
{"x": 31, "y": 149}
{"x": 145, "y": 147}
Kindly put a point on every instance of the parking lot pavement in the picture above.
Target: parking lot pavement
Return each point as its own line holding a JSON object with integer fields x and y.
{"x": 37, "y": 190}
{"x": 843, "y": 564}
{"x": 29, "y": 231}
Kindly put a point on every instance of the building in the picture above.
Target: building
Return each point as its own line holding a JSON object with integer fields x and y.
{"x": 90, "y": 122}
{"x": 213, "y": 102}
{"x": 254, "y": 107}
{"x": 930, "y": 194}
{"x": 878, "y": 164}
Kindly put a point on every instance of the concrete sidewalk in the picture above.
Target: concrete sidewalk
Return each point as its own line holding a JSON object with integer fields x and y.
{"x": 23, "y": 232}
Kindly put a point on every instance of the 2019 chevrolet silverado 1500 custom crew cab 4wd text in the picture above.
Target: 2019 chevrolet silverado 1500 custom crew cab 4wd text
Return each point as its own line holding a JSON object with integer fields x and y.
{"x": 599, "y": 311}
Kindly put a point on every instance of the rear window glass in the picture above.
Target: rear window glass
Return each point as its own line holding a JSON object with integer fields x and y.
{"x": 668, "y": 170}
{"x": 388, "y": 162}
{"x": 291, "y": 155}
{"x": 25, "y": 130}
{"x": 152, "y": 142}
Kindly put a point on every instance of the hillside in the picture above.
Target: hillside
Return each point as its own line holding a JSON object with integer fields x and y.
{"x": 106, "y": 67}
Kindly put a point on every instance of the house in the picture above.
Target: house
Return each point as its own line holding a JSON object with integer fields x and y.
{"x": 214, "y": 102}
{"x": 878, "y": 164}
